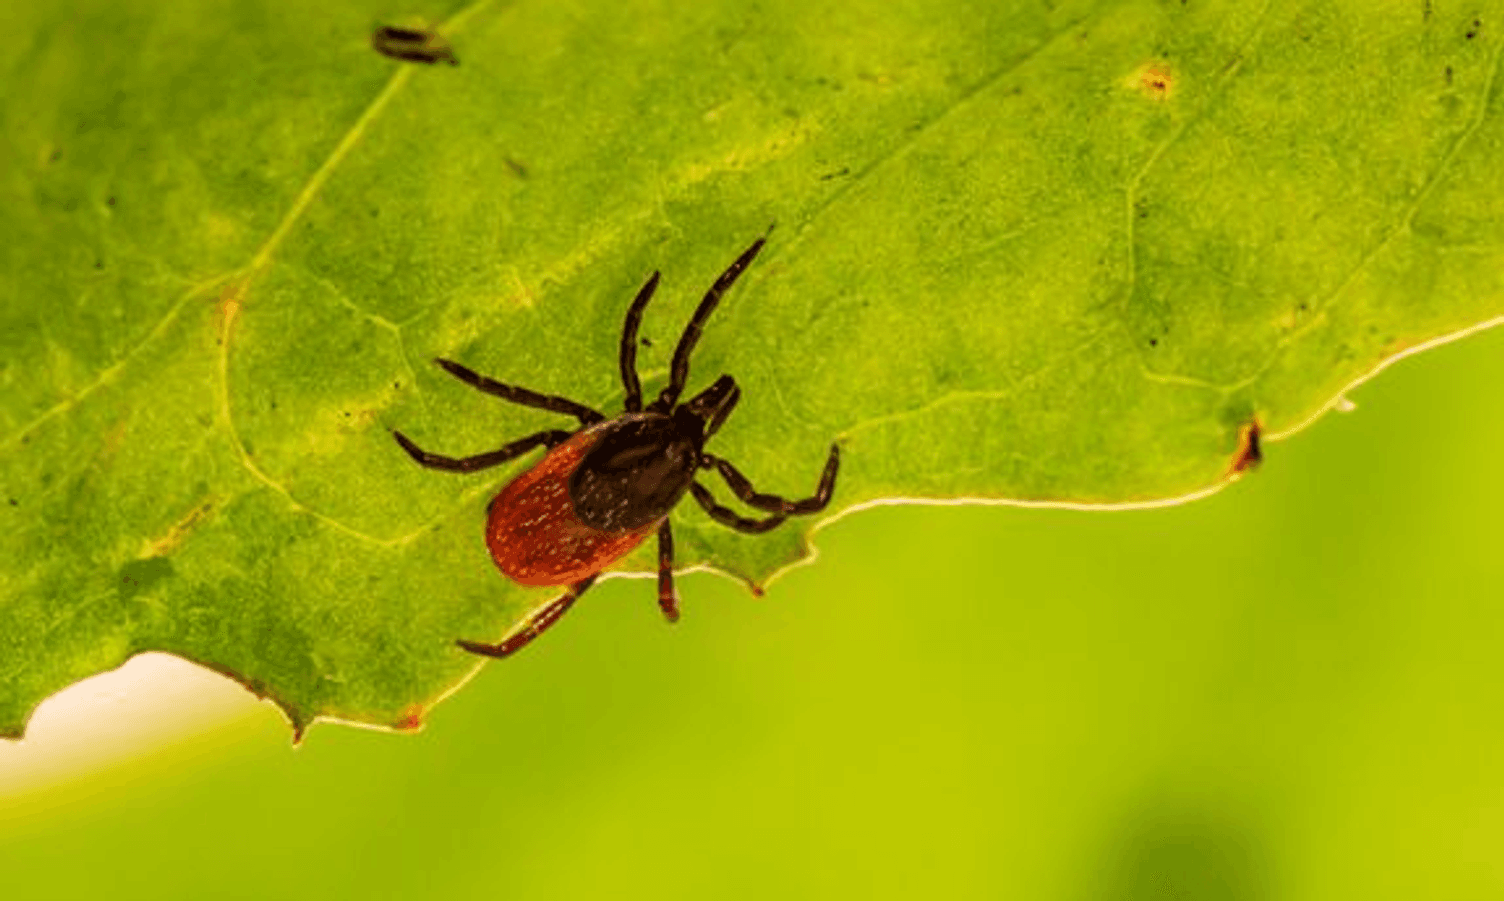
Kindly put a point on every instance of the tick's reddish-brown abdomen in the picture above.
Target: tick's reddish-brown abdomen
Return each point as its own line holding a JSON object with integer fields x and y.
{"x": 533, "y": 533}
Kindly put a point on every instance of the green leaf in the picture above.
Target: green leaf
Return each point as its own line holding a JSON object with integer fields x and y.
{"x": 1052, "y": 252}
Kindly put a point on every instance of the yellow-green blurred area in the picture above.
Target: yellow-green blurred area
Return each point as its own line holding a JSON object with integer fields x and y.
{"x": 1288, "y": 690}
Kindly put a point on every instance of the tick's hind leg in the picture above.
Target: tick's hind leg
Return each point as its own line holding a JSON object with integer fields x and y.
{"x": 666, "y": 600}
{"x": 522, "y": 396}
{"x": 533, "y": 626}
{"x": 480, "y": 461}
{"x": 772, "y": 503}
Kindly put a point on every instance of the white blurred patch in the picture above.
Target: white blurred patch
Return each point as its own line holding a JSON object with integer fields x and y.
{"x": 152, "y": 701}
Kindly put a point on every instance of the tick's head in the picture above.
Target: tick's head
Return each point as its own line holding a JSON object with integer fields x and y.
{"x": 701, "y": 416}
{"x": 638, "y": 468}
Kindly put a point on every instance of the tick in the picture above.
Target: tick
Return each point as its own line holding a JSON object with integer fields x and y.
{"x": 602, "y": 490}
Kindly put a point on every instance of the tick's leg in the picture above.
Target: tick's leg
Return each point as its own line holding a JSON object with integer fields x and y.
{"x": 481, "y": 461}
{"x": 533, "y": 626}
{"x": 728, "y": 517}
{"x": 522, "y": 396}
{"x": 629, "y": 344}
{"x": 679, "y": 374}
{"x": 666, "y": 600}
{"x": 772, "y": 503}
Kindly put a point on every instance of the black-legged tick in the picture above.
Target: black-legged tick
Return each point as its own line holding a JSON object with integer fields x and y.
{"x": 601, "y": 490}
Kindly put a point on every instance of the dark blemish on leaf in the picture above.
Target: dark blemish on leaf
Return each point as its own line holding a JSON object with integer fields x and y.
{"x": 1473, "y": 32}
{"x": 412, "y": 45}
{"x": 110, "y": 200}
{"x": 56, "y": 155}
{"x": 1141, "y": 208}
{"x": 1249, "y": 454}
{"x": 396, "y": 384}
{"x": 1449, "y": 76}
{"x": 646, "y": 342}
{"x": 138, "y": 576}
{"x": 98, "y": 264}
{"x": 757, "y": 590}
{"x": 14, "y": 502}
{"x": 1153, "y": 342}
{"x": 1426, "y": 14}
{"x": 516, "y": 167}
{"x": 1154, "y": 80}
{"x": 845, "y": 170}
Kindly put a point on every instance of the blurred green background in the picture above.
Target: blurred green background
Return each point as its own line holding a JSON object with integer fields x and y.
{"x": 1289, "y": 690}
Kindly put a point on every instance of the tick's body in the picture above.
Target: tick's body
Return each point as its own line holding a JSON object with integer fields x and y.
{"x": 538, "y": 532}
{"x": 534, "y": 534}
{"x": 600, "y": 491}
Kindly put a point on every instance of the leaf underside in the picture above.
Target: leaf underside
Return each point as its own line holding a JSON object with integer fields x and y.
{"x": 1035, "y": 251}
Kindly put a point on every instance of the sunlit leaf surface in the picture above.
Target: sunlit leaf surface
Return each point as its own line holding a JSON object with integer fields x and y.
{"x": 1062, "y": 252}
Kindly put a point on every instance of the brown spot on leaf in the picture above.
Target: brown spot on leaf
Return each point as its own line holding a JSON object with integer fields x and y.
{"x": 411, "y": 721}
{"x": 1249, "y": 454}
{"x": 1154, "y": 80}
{"x": 229, "y": 302}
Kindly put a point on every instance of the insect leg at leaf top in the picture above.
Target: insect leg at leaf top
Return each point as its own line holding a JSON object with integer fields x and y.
{"x": 533, "y": 626}
{"x": 679, "y": 373}
{"x": 511, "y": 451}
{"x": 522, "y": 396}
